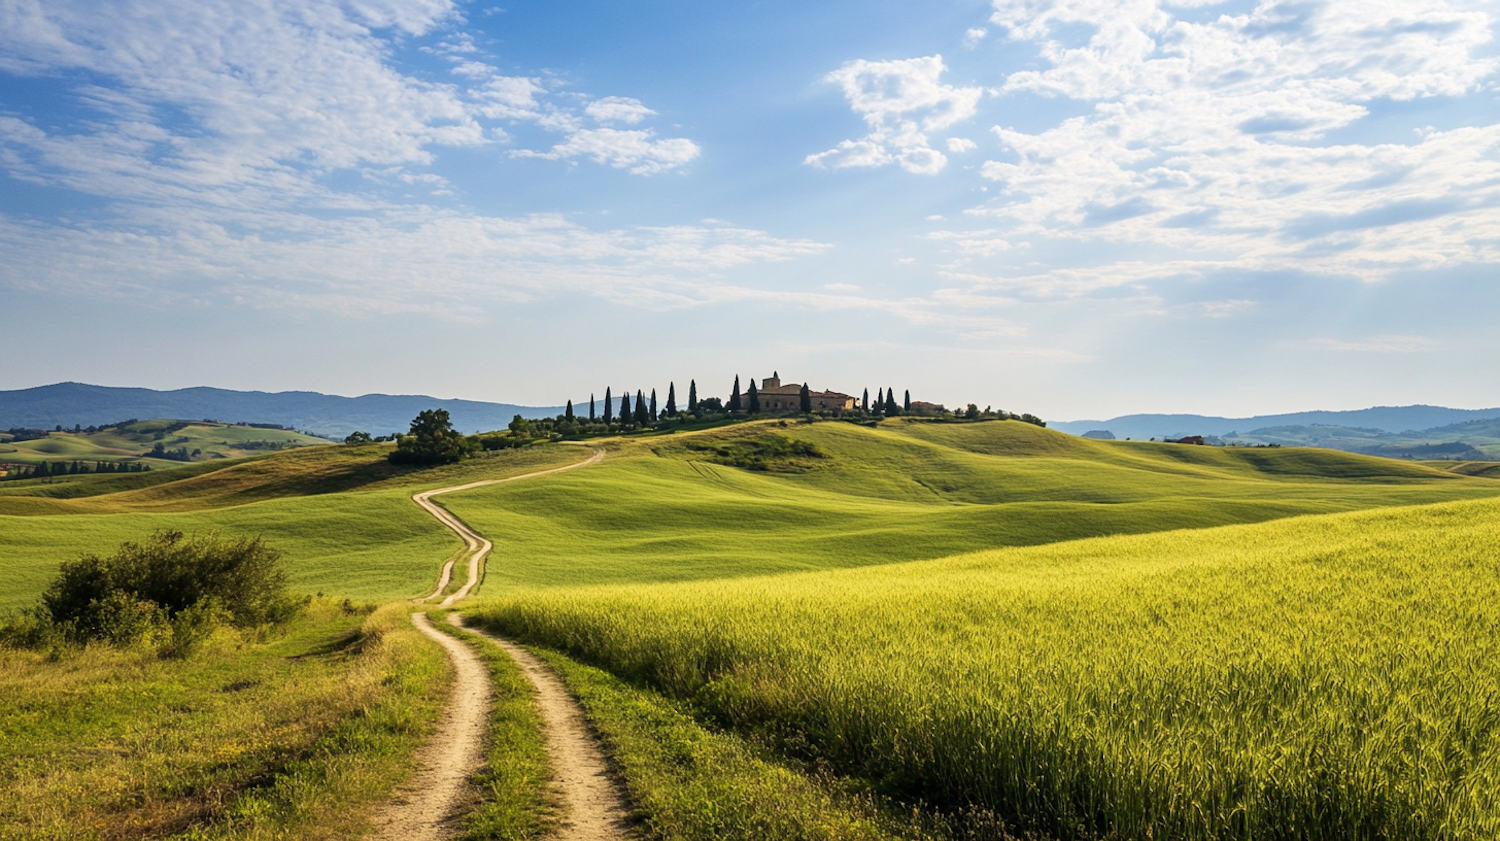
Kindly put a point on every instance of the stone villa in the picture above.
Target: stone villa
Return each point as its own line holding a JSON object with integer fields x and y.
{"x": 775, "y": 397}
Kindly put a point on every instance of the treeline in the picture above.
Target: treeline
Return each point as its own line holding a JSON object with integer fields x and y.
{"x": 47, "y": 470}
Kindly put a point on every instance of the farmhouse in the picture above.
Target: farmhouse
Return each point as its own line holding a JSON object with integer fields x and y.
{"x": 922, "y": 407}
{"x": 775, "y": 397}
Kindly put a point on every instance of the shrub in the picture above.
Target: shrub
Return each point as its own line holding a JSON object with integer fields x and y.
{"x": 176, "y": 586}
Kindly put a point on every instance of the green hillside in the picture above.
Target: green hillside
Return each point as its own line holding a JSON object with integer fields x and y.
{"x": 1318, "y": 677}
{"x": 133, "y": 442}
{"x": 343, "y": 515}
{"x": 672, "y": 509}
{"x": 1472, "y": 440}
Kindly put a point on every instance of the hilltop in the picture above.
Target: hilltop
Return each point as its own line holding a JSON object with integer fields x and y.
{"x": 67, "y": 404}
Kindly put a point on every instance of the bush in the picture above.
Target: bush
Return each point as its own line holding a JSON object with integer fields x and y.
{"x": 432, "y": 440}
{"x": 174, "y": 586}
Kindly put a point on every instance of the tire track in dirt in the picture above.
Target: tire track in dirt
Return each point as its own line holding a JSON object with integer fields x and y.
{"x": 594, "y": 805}
{"x": 423, "y": 809}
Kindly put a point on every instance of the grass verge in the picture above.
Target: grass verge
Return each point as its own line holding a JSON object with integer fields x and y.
{"x": 290, "y": 739}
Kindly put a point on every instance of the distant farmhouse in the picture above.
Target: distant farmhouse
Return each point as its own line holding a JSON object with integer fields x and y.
{"x": 922, "y": 407}
{"x": 788, "y": 398}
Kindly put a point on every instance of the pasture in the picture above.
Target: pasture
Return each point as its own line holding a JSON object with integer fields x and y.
{"x": 343, "y": 516}
{"x": 663, "y": 510}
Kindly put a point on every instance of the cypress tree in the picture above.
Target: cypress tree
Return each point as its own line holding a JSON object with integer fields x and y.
{"x": 641, "y": 418}
{"x": 671, "y": 400}
{"x": 864, "y": 405}
{"x": 890, "y": 402}
{"x": 753, "y": 398}
{"x": 804, "y": 398}
{"x": 654, "y": 416}
{"x": 569, "y": 413}
{"x": 879, "y": 401}
{"x": 591, "y": 406}
{"x": 693, "y": 396}
{"x": 625, "y": 413}
{"x": 609, "y": 409}
{"x": 734, "y": 397}
{"x": 906, "y": 404}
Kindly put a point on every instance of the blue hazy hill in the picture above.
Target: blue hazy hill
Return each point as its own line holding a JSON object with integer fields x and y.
{"x": 67, "y": 404}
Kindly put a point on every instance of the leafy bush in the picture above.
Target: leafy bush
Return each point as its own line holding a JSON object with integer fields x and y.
{"x": 171, "y": 587}
{"x": 776, "y": 453}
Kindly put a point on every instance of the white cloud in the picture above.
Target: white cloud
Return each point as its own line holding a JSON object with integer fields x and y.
{"x": 1375, "y": 344}
{"x": 413, "y": 259}
{"x": 961, "y": 144}
{"x": 633, "y": 150}
{"x": 618, "y": 109}
{"x": 1209, "y": 139}
{"x": 973, "y": 36}
{"x": 901, "y": 101}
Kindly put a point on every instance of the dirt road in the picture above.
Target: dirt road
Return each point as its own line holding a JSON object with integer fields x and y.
{"x": 593, "y": 803}
{"x": 422, "y": 809}
{"x": 475, "y": 546}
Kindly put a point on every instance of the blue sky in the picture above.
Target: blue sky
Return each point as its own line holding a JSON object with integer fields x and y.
{"x": 1078, "y": 208}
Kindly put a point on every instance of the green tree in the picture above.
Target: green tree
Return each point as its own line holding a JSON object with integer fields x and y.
{"x": 625, "y": 414}
{"x": 654, "y": 416}
{"x": 641, "y": 418}
{"x": 804, "y": 400}
{"x": 568, "y": 413}
{"x": 357, "y": 437}
{"x": 890, "y": 403}
{"x": 591, "y": 406}
{"x": 609, "y": 406}
{"x": 734, "y": 396}
{"x": 864, "y": 404}
{"x": 752, "y": 399}
{"x": 693, "y": 396}
{"x": 432, "y": 440}
{"x": 671, "y": 400}
{"x": 906, "y": 402}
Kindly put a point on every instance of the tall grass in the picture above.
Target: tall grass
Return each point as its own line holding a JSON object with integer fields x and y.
{"x": 1331, "y": 677}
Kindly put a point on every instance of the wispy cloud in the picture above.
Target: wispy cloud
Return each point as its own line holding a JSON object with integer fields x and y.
{"x": 901, "y": 101}
{"x": 1373, "y": 344}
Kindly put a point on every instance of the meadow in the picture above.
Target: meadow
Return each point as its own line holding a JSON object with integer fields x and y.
{"x": 132, "y": 442}
{"x": 1323, "y": 677}
{"x": 343, "y": 516}
{"x": 663, "y": 510}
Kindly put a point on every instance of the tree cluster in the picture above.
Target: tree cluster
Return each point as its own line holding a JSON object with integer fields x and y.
{"x": 432, "y": 440}
{"x": 47, "y": 470}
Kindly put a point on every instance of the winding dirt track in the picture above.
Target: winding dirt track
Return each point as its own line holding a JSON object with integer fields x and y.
{"x": 593, "y": 804}
{"x": 475, "y": 546}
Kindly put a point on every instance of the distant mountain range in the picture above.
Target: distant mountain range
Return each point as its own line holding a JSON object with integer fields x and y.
{"x": 329, "y": 415}
{"x": 1393, "y": 419}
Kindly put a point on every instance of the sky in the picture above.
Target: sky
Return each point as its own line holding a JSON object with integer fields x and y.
{"x": 1075, "y": 208}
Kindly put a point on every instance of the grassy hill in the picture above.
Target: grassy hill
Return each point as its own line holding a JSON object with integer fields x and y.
{"x": 1316, "y": 677}
{"x": 343, "y": 515}
{"x": 673, "y": 509}
{"x": 133, "y": 442}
